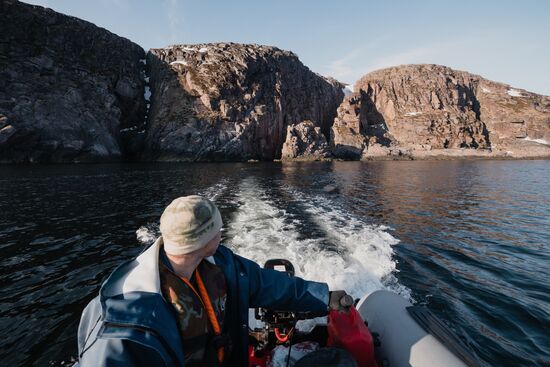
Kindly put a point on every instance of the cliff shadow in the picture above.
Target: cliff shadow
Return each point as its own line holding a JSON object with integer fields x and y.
{"x": 468, "y": 99}
{"x": 174, "y": 115}
{"x": 373, "y": 123}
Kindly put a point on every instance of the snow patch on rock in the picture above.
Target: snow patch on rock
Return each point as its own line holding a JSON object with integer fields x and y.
{"x": 539, "y": 141}
{"x": 128, "y": 129}
{"x": 514, "y": 93}
{"x": 179, "y": 62}
{"x": 348, "y": 90}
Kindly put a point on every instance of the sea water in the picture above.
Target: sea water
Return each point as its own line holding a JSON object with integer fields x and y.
{"x": 467, "y": 239}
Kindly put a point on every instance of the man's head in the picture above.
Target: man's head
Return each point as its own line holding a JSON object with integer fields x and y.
{"x": 191, "y": 224}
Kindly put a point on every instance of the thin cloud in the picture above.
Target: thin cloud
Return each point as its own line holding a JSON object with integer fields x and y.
{"x": 342, "y": 68}
{"x": 413, "y": 56}
{"x": 350, "y": 65}
{"x": 362, "y": 60}
{"x": 174, "y": 14}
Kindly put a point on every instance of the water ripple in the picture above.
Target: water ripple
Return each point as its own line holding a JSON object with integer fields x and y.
{"x": 470, "y": 240}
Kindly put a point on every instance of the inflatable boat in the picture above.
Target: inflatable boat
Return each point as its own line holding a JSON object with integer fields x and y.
{"x": 382, "y": 329}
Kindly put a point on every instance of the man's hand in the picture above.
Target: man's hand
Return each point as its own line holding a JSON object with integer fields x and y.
{"x": 340, "y": 301}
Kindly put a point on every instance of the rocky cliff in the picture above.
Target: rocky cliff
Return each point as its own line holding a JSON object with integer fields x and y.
{"x": 70, "y": 91}
{"x": 421, "y": 111}
{"x": 230, "y": 101}
{"x": 67, "y": 87}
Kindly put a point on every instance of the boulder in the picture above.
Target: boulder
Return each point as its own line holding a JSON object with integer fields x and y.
{"x": 347, "y": 137}
{"x": 304, "y": 141}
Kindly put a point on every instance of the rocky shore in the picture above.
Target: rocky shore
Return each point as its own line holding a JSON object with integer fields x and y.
{"x": 74, "y": 92}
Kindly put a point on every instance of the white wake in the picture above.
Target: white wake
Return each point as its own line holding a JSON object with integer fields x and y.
{"x": 360, "y": 264}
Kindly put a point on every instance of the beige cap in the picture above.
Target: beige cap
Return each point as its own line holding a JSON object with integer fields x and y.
{"x": 188, "y": 224}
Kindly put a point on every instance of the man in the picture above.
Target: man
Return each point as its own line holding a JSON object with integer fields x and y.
{"x": 184, "y": 301}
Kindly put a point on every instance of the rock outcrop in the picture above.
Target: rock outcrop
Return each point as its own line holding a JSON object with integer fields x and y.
{"x": 67, "y": 87}
{"x": 230, "y": 101}
{"x": 425, "y": 111}
{"x": 346, "y": 136}
{"x": 305, "y": 141}
{"x": 70, "y": 91}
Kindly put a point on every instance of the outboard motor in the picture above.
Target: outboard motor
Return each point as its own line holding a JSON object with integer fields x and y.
{"x": 344, "y": 342}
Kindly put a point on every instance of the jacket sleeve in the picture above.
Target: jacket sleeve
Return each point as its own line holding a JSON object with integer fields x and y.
{"x": 276, "y": 290}
{"x": 120, "y": 353}
{"x": 94, "y": 350}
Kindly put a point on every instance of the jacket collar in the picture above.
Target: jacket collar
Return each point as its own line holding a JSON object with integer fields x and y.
{"x": 131, "y": 299}
{"x": 139, "y": 275}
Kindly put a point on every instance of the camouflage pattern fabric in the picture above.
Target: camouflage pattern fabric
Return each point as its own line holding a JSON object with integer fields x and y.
{"x": 193, "y": 323}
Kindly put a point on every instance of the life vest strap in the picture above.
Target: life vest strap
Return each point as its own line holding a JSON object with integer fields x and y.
{"x": 210, "y": 312}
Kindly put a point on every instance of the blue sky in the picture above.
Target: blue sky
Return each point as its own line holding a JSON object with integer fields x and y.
{"x": 506, "y": 41}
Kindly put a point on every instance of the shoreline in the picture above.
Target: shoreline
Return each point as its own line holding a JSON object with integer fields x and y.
{"x": 429, "y": 157}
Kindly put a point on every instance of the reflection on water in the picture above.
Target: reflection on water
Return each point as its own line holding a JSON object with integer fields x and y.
{"x": 474, "y": 238}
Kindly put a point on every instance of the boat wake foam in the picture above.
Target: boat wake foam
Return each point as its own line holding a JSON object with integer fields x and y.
{"x": 359, "y": 260}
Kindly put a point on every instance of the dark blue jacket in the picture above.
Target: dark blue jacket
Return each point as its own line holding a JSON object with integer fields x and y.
{"x": 130, "y": 324}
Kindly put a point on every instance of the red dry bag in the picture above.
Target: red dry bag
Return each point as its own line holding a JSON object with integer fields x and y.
{"x": 347, "y": 330}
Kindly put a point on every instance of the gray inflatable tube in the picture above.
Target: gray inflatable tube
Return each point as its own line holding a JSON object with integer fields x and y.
{"x": 409, "y": 335}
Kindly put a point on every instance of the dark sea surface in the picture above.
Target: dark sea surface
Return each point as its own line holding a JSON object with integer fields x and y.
{"x": 468, "y": 239}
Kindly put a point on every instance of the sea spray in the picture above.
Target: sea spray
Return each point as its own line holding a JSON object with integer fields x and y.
{"x": 147, "y": 234}
{"x": 213, "y": 192}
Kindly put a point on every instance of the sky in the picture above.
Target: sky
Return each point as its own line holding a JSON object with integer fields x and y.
{"x": 501, "y": 40}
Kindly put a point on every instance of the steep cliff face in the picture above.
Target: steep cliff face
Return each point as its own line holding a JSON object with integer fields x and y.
{"x": 66, "y": 87}
{"x": 229, "y": 101}
{"x": 414, "y": 109}
{"x": 518, "y": 121}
